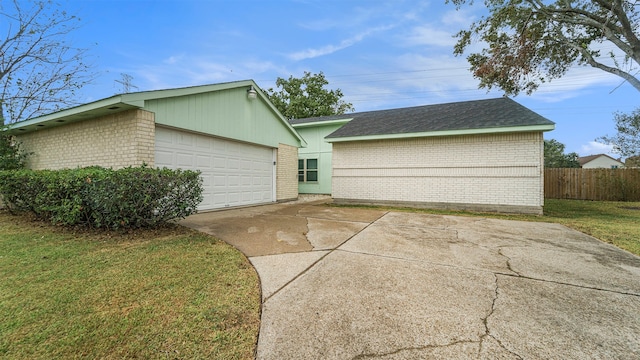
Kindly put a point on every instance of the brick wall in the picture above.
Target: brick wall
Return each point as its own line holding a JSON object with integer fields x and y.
{"x": 117, "y": 140}
{"x": 287, "y": 173}
{"x": 501, "y": 172}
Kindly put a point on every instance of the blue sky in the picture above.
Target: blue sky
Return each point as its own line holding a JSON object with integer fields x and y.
{"x": 381, "y": 54}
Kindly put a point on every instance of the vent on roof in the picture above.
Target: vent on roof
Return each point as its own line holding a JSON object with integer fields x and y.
{"x": 114, "y": 107}
{"x": 40, "y": 125}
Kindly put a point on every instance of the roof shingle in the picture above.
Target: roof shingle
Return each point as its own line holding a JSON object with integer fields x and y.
{"x": 467, "y": 115}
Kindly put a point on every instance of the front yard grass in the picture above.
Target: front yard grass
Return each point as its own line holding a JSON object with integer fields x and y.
{"x": 617, "y": 223}
{"x": 171, "y": 293}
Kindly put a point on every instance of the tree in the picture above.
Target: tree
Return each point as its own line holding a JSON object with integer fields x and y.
{"x": 533, "y": 41}
{"x": 632, "y": 162}
{"x": 627, "y": 141}
{"x": 39, "y": 70}
{"x": 306, "y": 97}
{"x": 554, "y": 156}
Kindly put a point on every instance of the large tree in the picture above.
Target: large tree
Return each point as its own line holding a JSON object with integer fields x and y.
{"x": 39, "y": 70}
{"x": 627, "y": 141}
{"x": 298, "y": 98}
{"x": 529, "y": 42}
{"x": 554, "y": 156}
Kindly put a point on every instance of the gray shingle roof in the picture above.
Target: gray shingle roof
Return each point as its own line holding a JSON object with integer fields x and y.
{"x": 467, "y": 115}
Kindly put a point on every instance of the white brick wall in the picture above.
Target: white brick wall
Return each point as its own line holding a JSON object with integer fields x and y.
{"x": 497, "y": 170}
{"x": 287, "y": 172}
{"x": 118, "y": 140}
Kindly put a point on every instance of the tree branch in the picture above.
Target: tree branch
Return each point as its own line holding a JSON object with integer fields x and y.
{"x": 609, "y": 29}
{"x": 612, "y": 70}
{"x": 39, "y": 72}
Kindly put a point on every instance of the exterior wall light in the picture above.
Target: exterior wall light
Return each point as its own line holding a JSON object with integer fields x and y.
{"x": 251, "y": 93}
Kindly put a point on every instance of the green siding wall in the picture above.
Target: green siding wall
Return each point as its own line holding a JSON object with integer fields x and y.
{"x": 317, "y": 148}
{"x": 226, "y": 113}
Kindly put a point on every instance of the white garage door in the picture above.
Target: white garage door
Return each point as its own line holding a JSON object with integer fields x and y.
{"x": 233, "y": 173}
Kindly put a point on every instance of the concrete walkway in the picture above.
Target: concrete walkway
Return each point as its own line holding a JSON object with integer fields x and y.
{"x": 343, "y": 283}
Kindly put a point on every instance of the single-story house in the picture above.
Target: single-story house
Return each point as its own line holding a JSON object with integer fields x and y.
{"x": 247, "y": 152}
{"x": 479, "y": 155}
{"x": 482, "y": 155}
{"x": 599, "y": 161}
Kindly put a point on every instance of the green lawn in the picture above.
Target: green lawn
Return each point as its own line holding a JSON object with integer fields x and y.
{"x": 617, "y": 223}
{"x": 169, "y": 294}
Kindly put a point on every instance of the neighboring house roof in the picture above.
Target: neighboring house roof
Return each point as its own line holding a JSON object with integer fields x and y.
{"x": 459, "y": 118}
{"x": 121, "y": 102}
{"x": 583, "y": 160}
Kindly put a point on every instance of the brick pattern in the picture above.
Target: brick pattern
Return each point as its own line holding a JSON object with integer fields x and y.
{"x": 119, "y": 140}
{"x": 497, "y": 169}
{"x": 287, "y": 173}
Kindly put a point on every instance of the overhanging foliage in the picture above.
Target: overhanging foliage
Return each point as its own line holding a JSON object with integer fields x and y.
{"x": 529, "y": 42}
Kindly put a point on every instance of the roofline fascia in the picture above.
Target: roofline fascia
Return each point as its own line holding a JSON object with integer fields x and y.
{"x": 529, "y": 128}
{"x": 114, "y": 100}
{"x": 322, "y": 123}
{"x": 136, "y": 99}
{"x": 140, "y": 97}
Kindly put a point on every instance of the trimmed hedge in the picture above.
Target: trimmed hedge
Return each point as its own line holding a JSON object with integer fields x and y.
{"x": 132, "y": 197}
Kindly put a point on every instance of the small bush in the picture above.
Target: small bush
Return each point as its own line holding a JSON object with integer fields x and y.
{"x": 12, "y": 155}
{"x": 132, "y": 197}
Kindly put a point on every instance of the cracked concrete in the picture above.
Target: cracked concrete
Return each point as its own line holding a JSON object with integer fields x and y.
{"x": 487, "y": 331}
{"x": 346, "y": 283}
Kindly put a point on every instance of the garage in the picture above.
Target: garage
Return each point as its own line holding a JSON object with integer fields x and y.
{"x": 246, "y": 151}
{"x": 481, "y": 155}
{"x": 233, "y": 173}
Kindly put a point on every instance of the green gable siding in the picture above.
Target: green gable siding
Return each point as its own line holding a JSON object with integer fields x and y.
{"x": 317, "y": 148}
{"x": 226, "y": 113}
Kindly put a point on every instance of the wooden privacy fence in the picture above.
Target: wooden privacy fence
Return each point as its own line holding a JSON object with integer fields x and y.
{"x": 592, "y": 184}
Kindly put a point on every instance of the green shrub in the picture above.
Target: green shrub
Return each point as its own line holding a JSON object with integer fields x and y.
{"x": 132, "y": 197}
{"x": 12, "y": 156}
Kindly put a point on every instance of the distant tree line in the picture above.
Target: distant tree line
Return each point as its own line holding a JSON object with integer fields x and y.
{"x": 554, "y": 156}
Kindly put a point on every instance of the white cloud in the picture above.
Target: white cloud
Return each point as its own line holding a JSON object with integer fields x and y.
{"x": 416, "y": 11}
{"x": 428, "y": 35}
{"x": 574, "y": 83}
{"x": 179, "y": 71}
{"x": 416, "y": 79}
{"x": 460, "y": 18}
{"x": 329, "y": 49}
{"x": 173, "y": 59}
{"x": 440, "y": 72}
{"x": 325, "y": 50}
{"x": 594, "y": 148}
{"x": 254, "y": 67}
{"x": 356, "y": 17}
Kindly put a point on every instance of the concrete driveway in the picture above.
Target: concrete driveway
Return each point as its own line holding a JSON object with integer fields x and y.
{"x": 342, "y": 283}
